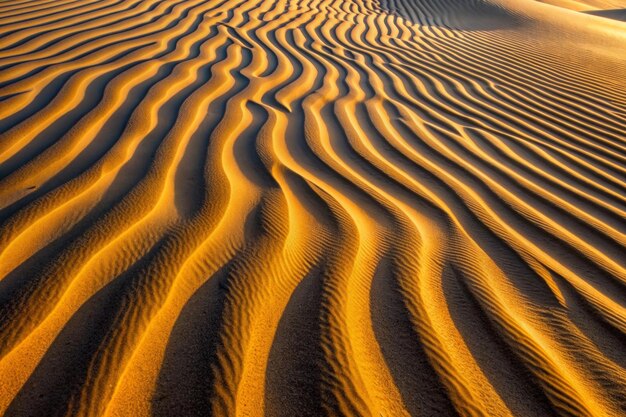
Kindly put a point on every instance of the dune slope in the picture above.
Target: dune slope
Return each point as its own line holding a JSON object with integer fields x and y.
{"x": 311, "y": 207}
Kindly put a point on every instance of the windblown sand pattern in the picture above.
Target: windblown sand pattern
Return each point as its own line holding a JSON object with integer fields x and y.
{"x": 312, "y": 207}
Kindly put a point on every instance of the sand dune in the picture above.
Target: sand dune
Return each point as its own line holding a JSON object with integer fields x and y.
{"x": 312, "y": 207}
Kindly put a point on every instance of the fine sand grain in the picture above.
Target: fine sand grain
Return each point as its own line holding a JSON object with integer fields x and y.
{"x": 312, "y": 208}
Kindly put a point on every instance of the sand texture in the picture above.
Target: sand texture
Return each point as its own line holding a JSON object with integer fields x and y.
{"x": 289, "y": 208}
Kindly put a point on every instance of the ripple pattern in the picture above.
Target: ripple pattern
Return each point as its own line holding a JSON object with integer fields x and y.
{"x": 311, "y": 208}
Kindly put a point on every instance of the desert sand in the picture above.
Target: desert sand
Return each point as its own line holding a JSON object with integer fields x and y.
{"x": 312, "y": 208}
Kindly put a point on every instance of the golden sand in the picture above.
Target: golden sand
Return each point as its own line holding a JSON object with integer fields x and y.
{"x": 312, "y": 208}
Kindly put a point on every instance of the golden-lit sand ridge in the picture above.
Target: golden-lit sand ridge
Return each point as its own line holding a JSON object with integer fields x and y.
{"x": 312, "y": 207}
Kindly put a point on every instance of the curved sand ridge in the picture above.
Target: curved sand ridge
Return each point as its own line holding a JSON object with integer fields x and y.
{"x": 311, "y": 207}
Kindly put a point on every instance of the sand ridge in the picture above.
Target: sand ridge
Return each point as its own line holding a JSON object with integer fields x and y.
{"x": 312, "y": 207}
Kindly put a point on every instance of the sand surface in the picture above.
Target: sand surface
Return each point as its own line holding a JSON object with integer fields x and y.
{"x": 312, "y": 208}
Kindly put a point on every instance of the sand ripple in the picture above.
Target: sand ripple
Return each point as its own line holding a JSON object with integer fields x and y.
{"x": 311, "y": 207}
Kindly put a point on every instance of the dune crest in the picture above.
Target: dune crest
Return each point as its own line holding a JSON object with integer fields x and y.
{"x": 312, "y": 207}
